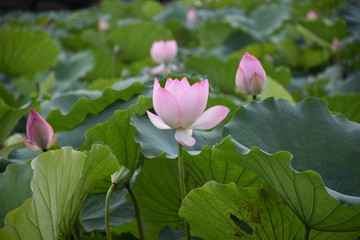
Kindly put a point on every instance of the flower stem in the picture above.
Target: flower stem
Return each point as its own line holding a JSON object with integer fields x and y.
{"x": 74, "y": 234}
{"x": 254, "y": 97}
{"x": 182, "y": 186}
{"x": 137, "y": 212}
{"x": 306, "y": 233}
{"x": 167, "y": 68}
{"x": 107, "y": 211}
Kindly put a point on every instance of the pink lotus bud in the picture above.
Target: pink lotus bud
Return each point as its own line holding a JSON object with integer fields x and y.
{"x": 250, "y": 76}
{"x": 40, "y": 134}
{"x": 181, "y": 106}
{"x": 311, "y": 15}
{"x": 191, "y": 15}
{"x": 103, "y": 24}
{"x": 163, "y": 51}
{"x": 335, "y": 45}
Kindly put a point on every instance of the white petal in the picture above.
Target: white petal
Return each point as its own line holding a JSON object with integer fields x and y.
{"x": 166, "y": 107}
{"x": 193, "y": 102}
{"x": 156, "y": 120}
{"x": 211, "y": 117}
{"x": 183, "y": 136}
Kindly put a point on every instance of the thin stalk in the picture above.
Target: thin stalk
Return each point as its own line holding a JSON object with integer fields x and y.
{"x": 254, "y": 97}
{"x": 107, "y": 211}
{"x": 182, "y": 186}
{"x": 167, "y": 68}
{"x": 74, "y": 234}
{"x": 306, "y": 233}
{"x": 137, "y": 212}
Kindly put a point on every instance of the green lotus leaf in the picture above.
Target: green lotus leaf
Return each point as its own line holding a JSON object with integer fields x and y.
{"x": 135, "y": 39}
{"x": 349, "y": 105}
{"x": 157, "y": 187}
{"x": 226, "y": 211}
{"x": 26, "y": 51}
{"x": 118, "y": 134}
{"x": 62, "y": 179}
{"x": 77, "y": 105}
{"x": 14, "y": 187}
{"x": 319, "y": 141}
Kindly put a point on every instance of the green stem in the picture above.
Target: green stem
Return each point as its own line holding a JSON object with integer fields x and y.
{"x": 182, "y": 186}
{"x": 167, "y": 68}
{"x": 254, "y": 97}
{"x": 73, "y": 233}
{"x": 137, "y": 212}
{"x": 306, "y": 233}
{"x": 107, "y": 211}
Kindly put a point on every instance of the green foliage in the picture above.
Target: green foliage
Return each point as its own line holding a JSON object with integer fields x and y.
{"x": 61, "y": 181}
{"x": 135, "y": 39}
{"x": 118, "y": 134}
{"x": 311, "y": 149}
{"x": 13, "y": 188}
{"x": 160, "y": 202}
{"x": 347, "y": 105}
{"x": 230, "y": 212}
{"x": 26, "y": 51}
{"x": 212, "y": 34}
{"x": 84, "y": 106}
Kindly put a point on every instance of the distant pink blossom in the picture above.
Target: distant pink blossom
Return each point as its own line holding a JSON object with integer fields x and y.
{"x": 181, "y": 106}
{"x": 164, "y": 51}
{"x": 311, "y": 15}
{"x": 250, "y": 76}
{"x": 335, "y": 45}
{"x": 191, "y": 15}
{"x": 40, "y": 134}
{"x": 103, "y": 24}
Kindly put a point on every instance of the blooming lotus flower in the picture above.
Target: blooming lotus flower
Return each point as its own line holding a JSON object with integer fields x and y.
{"x": 311, "y": 15}
{"x": 40, "y": 133}
{"x": 181, "y": 106}
{"x": 191, "y": 15}
{"x": 250, "y": 76}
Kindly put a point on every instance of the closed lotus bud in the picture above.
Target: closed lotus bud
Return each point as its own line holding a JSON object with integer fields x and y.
{"x": 311, "y": 15}
{"x": 163, "y": 51}
{"x": 250, "y": 76}
{"x": 121, "y": 177}
{"x": 40, "y": 134}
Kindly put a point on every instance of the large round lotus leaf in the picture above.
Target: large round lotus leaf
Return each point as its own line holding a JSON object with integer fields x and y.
{"x": 24, "y": 52}
{"x": 320, "y": 141}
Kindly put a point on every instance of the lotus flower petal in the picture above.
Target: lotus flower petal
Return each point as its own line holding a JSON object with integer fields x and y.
{"x": 211, "y": 117}
{"x": 30, "y": 145}
{"x": 183, "y": 136}
{"x": 156, "y": 120}
{"x": 193, "y": 102}
{"x": 176, "y": 87}
{"x": 166, "y": 107}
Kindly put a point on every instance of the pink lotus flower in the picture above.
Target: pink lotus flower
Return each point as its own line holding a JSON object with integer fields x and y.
{"x": 191, "y": 15}
{"x": 163, "y": 51}
{"x": 103, "y": 24}
{"x": 250, "y": 76}
{"x": 181, "y": 106}
{"x": 311, "y": 15}
{"x": 40, "y": 133}
{"x": 335, "y": 45}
